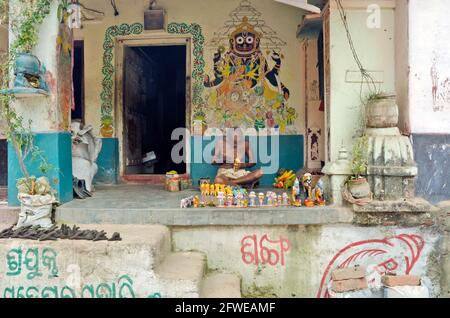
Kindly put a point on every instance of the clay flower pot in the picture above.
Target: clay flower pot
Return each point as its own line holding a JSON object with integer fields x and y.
{"x": 382, "y": 112}
{"x": 359, "y": 188}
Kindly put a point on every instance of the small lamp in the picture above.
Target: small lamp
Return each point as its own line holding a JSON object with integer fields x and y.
{"x": 154, "y": 17}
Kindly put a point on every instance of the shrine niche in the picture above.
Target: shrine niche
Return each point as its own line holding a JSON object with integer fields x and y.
{"x": 245, "y": 88}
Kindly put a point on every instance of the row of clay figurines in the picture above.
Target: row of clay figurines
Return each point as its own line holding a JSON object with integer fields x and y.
{"x": 219, "y": 195}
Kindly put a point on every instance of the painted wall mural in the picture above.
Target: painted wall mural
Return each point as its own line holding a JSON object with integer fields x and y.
{"x": 399, "y": 253}
{"x": 195, "y": 30}
{"x": 245, "y": 89}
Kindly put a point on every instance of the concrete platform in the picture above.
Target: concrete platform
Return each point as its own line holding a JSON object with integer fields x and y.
{"x": 150, "y": 204}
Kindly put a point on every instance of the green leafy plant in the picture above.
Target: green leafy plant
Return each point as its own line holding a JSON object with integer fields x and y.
{"x": 25, "y": 26}
{"x": 360, "y": 157}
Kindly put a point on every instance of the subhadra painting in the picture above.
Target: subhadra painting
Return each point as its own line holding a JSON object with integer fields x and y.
{"x": 245, "y": 90}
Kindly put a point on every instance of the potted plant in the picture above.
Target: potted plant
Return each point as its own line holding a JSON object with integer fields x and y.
{"x": 357, "y": 184}
{"x": 35, "y": 194}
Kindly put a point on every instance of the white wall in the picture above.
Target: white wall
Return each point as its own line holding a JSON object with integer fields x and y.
{"x": 376, "y": 49}
{"x": 429, "y": 51}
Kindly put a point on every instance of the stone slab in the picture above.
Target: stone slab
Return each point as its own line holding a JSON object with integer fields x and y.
{"x": 404, "y": 206}
{"x": 150, "y": 204}
{"x": 220, "y": 285}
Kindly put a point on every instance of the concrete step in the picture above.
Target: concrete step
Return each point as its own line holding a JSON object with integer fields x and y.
{"x": 180, "y": 275}
{"x": 111, "y": 269}
{"x": 8, "y": 215}
{"x": 220, "y": 285}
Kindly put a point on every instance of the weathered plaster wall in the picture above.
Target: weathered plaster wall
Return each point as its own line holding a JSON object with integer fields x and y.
{"x": 429, "y": 58}
{"x": 402, "y": 63}
{"x": 376, "y": 49}
{"x": 43, "y": 111}
{"x": 211, "y": 16}
{"x": 3, "y": 51}
{"x": 297, "y": 261}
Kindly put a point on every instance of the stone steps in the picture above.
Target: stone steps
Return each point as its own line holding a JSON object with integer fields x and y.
{"x": 180, "y": 274}
{"x": 220, "y": 285}
{"x": 141, "y": 265}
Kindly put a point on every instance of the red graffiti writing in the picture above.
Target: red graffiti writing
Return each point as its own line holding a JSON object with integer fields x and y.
{"x": 399, "y": 253}
{"x": 264, "y": 250}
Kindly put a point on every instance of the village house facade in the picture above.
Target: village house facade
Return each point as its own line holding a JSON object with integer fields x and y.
{"x": 301, "y": 96}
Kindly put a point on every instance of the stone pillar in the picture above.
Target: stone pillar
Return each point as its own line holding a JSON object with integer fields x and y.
{"x": 49, "y": 113}
{"x": 338, "y": 172}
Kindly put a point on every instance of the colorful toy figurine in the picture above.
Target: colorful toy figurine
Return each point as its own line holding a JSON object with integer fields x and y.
{"x": 196, "y": 202}
{"x": 307, "y": 188}
{"x": 228, "y": 190}
{"x": 296, "y": 199}
{"x": 261, "y": 199}
{"x": 269, "y": 198}
{"x": 220, "y": 199}
{"x": 285, "y": 199}
{"x": 318, "y": 191}
{"x": 279, "y": 200}
{"x": 212, "y": 190}
{"x": 229, "y": 202}
{"x": 187, "y": 202}
{"x": 252, "y": 197}
{"x": 240, "y": 200}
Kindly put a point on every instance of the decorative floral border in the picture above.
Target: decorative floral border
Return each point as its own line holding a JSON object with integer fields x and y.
{"x": 108, "y": 70}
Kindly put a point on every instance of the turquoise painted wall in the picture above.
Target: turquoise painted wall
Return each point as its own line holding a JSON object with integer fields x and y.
{"x": 108, "y": 162}
{"x": 291, "y": 156}
{"x": 57, "y": 148}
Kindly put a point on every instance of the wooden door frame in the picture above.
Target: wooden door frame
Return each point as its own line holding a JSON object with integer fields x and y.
{"x": 147, "y": 39}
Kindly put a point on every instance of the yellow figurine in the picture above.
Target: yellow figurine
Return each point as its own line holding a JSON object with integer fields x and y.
{"x": 212, "y": 190}
{"x": 228, "y": 190}
{"x": 196, "y": 202}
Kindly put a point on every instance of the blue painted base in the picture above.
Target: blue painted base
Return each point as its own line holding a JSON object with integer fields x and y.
{"x": 57, "y": 148}
{"x": 432, "y": 155}
{"x": 108, "y": 162}
{"x": 290, "y": 156}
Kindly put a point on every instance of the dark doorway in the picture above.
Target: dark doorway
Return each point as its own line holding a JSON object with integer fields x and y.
{"x": 154, "y": 102}
{"x": 78, "y": 80}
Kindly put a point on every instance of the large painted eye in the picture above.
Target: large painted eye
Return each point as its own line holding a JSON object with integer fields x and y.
{"x": 240, "y": 40}
{"x": 250, "y": 40}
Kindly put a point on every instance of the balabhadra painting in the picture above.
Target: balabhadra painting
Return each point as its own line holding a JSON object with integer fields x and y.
{"x": 245, "y": 89}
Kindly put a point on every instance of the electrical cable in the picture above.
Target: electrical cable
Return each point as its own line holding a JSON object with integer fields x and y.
{"x": 113, "y": 4}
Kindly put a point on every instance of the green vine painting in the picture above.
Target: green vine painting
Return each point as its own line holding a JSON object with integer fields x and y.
{"x": 195, "y": 30}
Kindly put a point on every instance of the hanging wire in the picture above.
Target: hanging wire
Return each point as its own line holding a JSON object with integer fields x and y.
{"x": 113, "y": 4}
{"x": 365, "y": 75}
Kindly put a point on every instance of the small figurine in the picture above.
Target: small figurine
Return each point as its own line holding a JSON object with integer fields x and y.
{"x": 285, "y": 199}
{"x": 274, "y": 199}
{"x": 279, "y": 200}
{"x": 186, "y": 203}
{"x": 318, "y": 191}
{"x": 220, "y": 199}
{"x": 229, "y": 202}
{"x": 212, "y": 190}
{"x": 196, "y": 202}
{"x": 296, "y": 200}
{"x": 252, "y": 197}
{"x": 307, "y": 188}
{"x": 240, "y": 200}
{"x": 269, "y": 198}
{"x": 261, "y": 199}
{"x": 228, "y": 190}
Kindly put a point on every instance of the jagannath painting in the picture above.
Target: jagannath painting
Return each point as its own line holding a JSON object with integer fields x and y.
{"x": 245, "y": 89}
